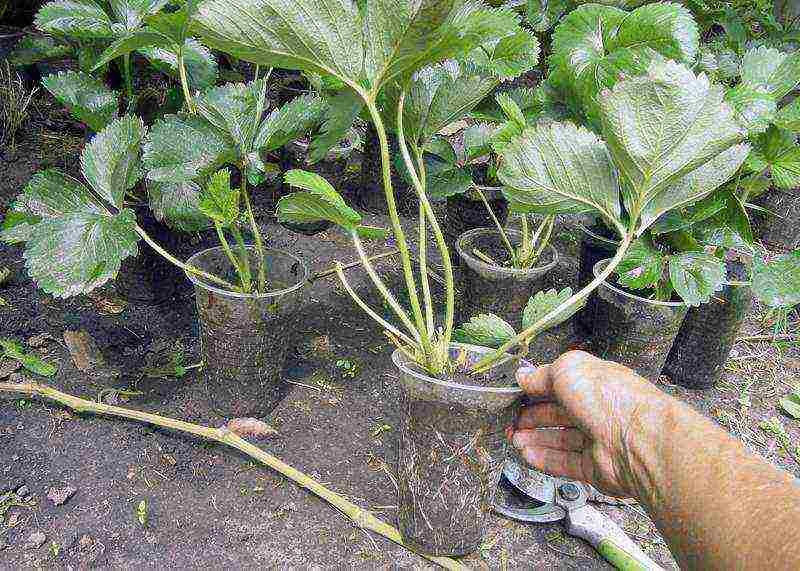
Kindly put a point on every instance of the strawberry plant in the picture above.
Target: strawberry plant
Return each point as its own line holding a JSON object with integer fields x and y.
{"x": 77, "y": 235}
{"x": 670, "y": 140}
{"x": 112, "y": 27}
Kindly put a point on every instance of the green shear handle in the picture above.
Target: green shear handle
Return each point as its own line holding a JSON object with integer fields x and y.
{"x": 608, "y": 539}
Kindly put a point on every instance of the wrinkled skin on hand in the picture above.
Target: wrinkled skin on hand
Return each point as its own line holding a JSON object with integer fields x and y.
{"x": 717, "y": 505}
{"x": 596, "y": 405}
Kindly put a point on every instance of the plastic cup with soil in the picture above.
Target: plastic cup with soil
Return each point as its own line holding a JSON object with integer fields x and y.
{"x": 777, "y": 229}
{"x": 505, "y": 291}
{"x": 451, "y": 451}
{"x": 635, "y": 331}
{"x": 597, "y": 243}
{"x": 243, "y": 336}
{"x": 704, "y": 341}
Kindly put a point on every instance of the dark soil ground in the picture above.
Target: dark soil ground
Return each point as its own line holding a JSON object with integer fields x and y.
{"x": 207, "y": 506}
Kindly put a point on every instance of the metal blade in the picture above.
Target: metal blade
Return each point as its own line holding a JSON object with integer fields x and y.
{"x": 548, "y": 513}
{"x": 530, "y": 482}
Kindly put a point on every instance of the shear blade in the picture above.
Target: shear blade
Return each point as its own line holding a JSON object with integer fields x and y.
{"x": 547, "y": 513}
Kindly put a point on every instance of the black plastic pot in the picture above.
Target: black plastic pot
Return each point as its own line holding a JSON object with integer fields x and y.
{"x": 244, "y": 337}
{"x": 593, "y": 248}
{"x": 704, "y": 342}
{"x": 149, "y": 278}
{"x": 779, "y": 231}
{"x": 465, "y": 212}
{"x": 487, "y": 288}
{"x": 451, "y": 452}
{"x": 635, "y": 331}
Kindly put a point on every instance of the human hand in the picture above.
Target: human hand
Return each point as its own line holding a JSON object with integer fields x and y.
{"x": 599, "y": 407}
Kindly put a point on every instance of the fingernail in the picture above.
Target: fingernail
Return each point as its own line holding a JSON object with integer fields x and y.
{"x": 517, "y": 442}
{"x": 525, "y": 371}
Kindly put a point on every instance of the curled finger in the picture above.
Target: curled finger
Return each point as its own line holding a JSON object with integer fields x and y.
{"x": 544, "y": 415}
{"x": 569, "y": 439}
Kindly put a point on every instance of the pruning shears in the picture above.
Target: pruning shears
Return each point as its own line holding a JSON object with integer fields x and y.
{"x": 564, "y": 500}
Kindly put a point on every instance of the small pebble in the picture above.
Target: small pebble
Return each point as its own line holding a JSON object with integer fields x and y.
{"x": 35, "y": 540}
{"x": 22, "y": 491}
{"x": 59, "y": 496}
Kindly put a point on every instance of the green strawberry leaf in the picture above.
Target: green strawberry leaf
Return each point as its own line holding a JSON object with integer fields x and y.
{"x": 777, "y": 150}
{"x": 202, "y": 70}
{"x": 755, "y": 108}
{"x": 543, "y": 302}
{"x": 788, "y": 117}
{"x": 774, "y": 71}
{"x": 177, "y": 204}
{"x": 485, "y": 330}
{"x": 78, "y": 19}
{"x": 288, "y": 123}
{"x": 776, "y": 283}
{"x": 538, "y": 172}
{"x": 642, "y": 266}
{"x": 184, "y": 147}
{"x": 110, "y": 162}
{"x": 320, "y": 201}
{"x": 86, "y": 98}
{"x": 136, "y": 40}
{"x": 662, "y": 126}
{"x": 696, "y": 276}
{"x": 219, "y": 201}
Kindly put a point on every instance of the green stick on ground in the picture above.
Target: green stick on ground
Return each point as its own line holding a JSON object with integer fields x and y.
{"x": 360, "y": 517}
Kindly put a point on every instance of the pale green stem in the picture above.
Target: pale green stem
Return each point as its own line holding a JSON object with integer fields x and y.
{"x": 360, "y": 517}
{"x": 397, "y": 228}
{"x": 526, "y": 234}
{"x": 384, "y": 291}
{"x": 258, "y": 72}
{"x": 228, "y": 252}
{"x": 128, "y": 72}
{"x": 246, "y": 277}
{"x": 437, "y": 230}
{"x": 259, "y": 242}
{"x": 528, "y": 334}
{"x": 185, "y": 267}
{"x": 484, "y": 257}
{"x": 187, "y": 94}
{"x": 423, "y": 251}
{"x": 369, "y": 311}
{"x": 544, "y": 240}
{"x": 504, "y": 237}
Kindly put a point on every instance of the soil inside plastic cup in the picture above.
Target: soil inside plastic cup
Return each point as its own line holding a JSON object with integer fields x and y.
{"x": 707, "y": 335}
{"x": 451, "y": 451}
{"x": 245, "y": 337}
{"x": 504, "y": 291}
{"x": 635, "y": 331}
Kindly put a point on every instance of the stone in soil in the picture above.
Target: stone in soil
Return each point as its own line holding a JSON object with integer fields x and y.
{"x": 35, "y": 540}
{"x": 8, "y": 366}
{"x": 244, "y": 427}
{"x": 60, "y": 496}
{"x": 84, "y": 350}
